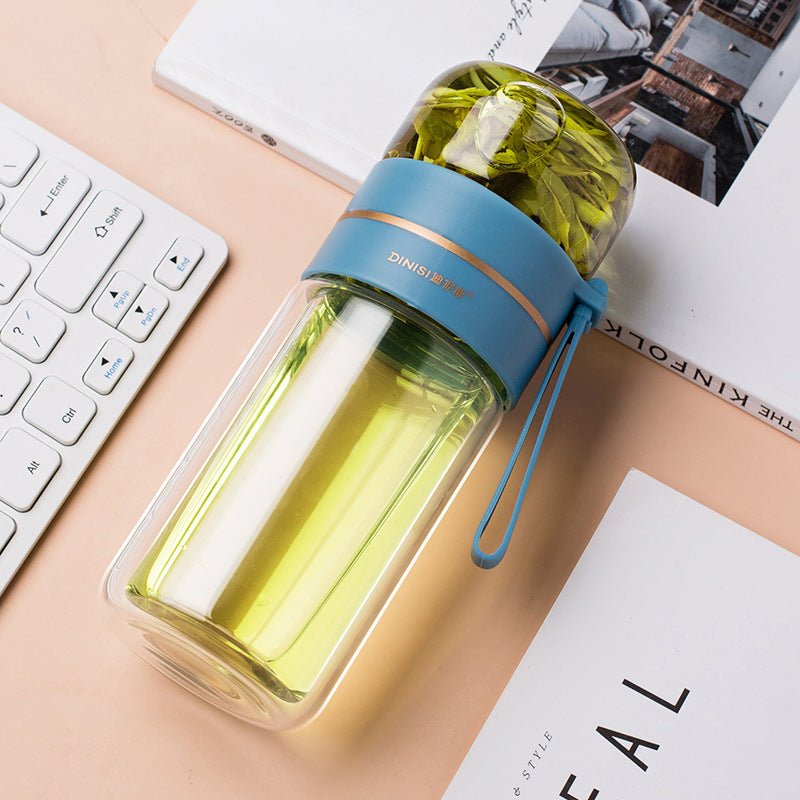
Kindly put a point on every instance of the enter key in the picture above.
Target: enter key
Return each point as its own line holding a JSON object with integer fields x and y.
{"x": 45, "y": 206}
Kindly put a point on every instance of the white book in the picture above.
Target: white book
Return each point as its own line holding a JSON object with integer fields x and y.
{"x": 703, "y": 278}
{"x": 666, "y": 670}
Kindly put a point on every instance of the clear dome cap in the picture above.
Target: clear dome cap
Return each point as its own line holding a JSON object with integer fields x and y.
{"x": 533, "y": 144}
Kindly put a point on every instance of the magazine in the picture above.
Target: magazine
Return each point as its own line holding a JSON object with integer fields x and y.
{"x": 665, "y": 670}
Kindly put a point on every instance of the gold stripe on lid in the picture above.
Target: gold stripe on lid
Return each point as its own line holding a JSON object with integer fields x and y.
{"x": 464, "y": 255}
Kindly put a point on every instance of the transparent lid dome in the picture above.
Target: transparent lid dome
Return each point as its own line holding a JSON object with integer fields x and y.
{"x": 532, "y": 143}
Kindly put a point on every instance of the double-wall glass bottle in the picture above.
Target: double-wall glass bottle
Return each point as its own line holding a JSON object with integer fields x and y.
{"x": 263, "y": 562}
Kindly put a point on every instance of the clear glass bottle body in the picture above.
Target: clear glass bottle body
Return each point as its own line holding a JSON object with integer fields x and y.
{"x": 271, "y": 550}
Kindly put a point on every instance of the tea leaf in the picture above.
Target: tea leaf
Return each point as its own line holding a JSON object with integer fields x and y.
{"x": 568, "y": 173}
{"x": 556, "y": 209}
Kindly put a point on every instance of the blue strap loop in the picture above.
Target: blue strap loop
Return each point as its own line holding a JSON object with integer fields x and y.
{"x": 580, "y": 322}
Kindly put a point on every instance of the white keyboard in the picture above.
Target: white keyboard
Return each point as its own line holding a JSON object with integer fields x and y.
{"x": 96, "y": 278}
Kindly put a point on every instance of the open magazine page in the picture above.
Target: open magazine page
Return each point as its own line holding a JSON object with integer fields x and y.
{"x": 673, "y": 642}
{"x": 702, "y": 93}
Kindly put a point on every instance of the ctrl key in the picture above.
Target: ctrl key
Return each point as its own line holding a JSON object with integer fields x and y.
{"x": 26, "y": 467}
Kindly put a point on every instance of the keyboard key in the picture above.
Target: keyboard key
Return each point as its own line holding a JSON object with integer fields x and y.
{"x": 14, "y": 379}
{"x": 54, "y": 200}
{"x": 7, "y": 530}
{"x": 117, "y": 297}
{"x": 108, "y": 366}
{"x": 14, "y": 270}
{"x": 179, "y": 262}
{"x": 59, "y": 411}
{"x": 32, "y": 331}
{"x": 16, "y": 157}
{"x": 86, "y": 254}
{"x": 45, "y": 206}
{"x": 144, "y": 314}
{"x": 26, "y": 467}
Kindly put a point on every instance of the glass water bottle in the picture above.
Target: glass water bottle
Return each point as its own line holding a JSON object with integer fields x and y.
{"x": 263, "y": 562}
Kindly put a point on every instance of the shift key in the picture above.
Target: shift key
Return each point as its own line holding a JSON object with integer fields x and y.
{"x": 86, "y": 254}
{"x": 45, "y": 206}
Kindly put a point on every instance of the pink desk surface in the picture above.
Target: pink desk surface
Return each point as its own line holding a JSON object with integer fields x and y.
{"x": 80, "y": 716}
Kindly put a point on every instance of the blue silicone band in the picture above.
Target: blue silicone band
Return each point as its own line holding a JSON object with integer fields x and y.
{"x": 463, "y": 256}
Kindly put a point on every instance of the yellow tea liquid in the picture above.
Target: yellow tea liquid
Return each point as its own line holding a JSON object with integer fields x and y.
{"x": 324, "y": 483}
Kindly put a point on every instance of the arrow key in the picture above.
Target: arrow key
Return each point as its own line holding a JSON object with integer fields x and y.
{"x": 108, "y": 366}
{"x": 144, "y": 315}
{"x": 117, "y": 297}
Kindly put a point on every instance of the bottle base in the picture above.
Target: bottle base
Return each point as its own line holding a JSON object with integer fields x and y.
{"x": 212, "y": 666}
